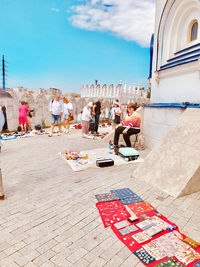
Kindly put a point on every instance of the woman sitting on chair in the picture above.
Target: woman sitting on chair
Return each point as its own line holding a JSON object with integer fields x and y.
{"x": 129, "y": 126}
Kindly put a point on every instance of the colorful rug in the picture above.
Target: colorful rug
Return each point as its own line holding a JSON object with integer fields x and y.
{"x": 152, "y": 237}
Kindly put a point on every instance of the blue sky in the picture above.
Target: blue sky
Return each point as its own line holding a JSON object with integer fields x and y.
{"x": 67, "y": 43}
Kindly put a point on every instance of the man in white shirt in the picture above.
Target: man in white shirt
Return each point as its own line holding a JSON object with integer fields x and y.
{"x": 56, "y": 111}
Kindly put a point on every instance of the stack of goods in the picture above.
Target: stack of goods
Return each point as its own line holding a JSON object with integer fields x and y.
{"x": 148, "y": 234}
{"x": 101, "y": 135}
{"x": 8, "y": 136}
{"x": 74, "y": 155}
{"x": 78, "y": 126}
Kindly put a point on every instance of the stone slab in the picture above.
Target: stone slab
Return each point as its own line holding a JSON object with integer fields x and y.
{"x": 174, "y": 164}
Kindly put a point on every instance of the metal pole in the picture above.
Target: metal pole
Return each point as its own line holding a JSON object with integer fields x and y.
{"x": 1, "y": 187}
{"x": 3, "y": 68}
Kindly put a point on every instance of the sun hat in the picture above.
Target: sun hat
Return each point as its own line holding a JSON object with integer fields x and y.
{"x": 90, "y": 104}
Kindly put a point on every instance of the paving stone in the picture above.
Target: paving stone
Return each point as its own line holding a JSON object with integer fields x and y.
{"x": 115, "y": 261}
{"x": 78, "y": 254}
{"x": 97, "y": 262}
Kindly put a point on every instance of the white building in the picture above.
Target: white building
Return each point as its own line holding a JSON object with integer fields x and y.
{"x": 175, "y": 65}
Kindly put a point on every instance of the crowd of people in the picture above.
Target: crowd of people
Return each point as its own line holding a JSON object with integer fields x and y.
{"x": 61, "y": 110}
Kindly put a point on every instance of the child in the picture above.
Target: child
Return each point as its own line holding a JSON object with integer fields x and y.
{"x": 79, "y": 119}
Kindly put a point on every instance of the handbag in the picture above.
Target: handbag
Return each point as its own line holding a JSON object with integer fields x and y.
{"x": 71, "y": 118}
{"x": 117, "y": 119}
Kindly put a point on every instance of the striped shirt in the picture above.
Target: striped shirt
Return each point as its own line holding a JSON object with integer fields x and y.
{"x": 132, "y": 120}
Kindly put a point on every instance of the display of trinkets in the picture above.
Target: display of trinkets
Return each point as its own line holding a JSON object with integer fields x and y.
{"x": 123, "y": 193}
{"x": 141, "y": 237}
{"x": 144, "y": 256}
{"x": 191, "y": 242}
{"x": 106, "y": 197}
{"x": 188, "y": 256}
{"x": 131, "y": 199}
{"x": 122, "y": 224}
{"x": 153, "y": 230}
{"x": 177, "y": 234}
{"x": 154, "y": 251}
{"x": 145, "y": 224}
{"x": 112, "y": 212}
{"x": 128, "y": 230}
{"x": 141, "y": 208}
{"x": 170, "y": 262}
{"x": 170, "y": 245}
{"x": 159, "y": 222}
{"x": 197, "y": 264}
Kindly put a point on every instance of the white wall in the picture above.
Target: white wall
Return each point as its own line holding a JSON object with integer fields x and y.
{"x": 177, "y": 87}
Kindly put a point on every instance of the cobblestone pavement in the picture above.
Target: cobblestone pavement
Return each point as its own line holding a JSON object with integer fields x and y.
{"x": 49, "y": 217}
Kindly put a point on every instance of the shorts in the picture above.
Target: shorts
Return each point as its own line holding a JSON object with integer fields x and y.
{"x": 56, "y": 119}
{"x": 66, "y": 116}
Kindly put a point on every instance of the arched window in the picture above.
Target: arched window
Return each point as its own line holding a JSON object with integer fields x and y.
{"x": 194, "y": 31}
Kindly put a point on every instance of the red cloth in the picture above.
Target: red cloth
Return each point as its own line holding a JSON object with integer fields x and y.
{"x": 141, "y": 208}
{"x": 112, "y": 212}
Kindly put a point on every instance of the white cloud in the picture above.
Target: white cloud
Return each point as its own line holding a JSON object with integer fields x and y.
{"x": 55, "y": 9}
{"x": 132, "y": 20}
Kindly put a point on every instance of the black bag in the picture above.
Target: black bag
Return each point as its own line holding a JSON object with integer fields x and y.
{"x": 117, "y": 119}
{"x": 91, "y": 127}
{"x": 38, "y": 127}
{"x": 104, "y": 163}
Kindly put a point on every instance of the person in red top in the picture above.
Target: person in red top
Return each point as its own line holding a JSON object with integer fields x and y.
{"x": 23, "y": 110}
{"x": 129, "y": 126}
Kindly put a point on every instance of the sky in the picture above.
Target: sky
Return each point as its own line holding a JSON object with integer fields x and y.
{"x": 67, "y": 43}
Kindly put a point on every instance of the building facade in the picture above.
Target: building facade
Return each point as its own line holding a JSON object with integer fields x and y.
{"x": 124, "y": 93}
{"x": 175, "y": 75}
{"x": 176, "y": 54}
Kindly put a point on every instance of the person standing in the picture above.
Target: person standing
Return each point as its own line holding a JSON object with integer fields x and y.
{"x": 56, "y": 111}
{"x": 5, "y": 126}
{"x": 29, "y": 116}
{"x": 116, "y": 113}
{"x": 23, "y": 110}
{"x": 68, "y": 114}
{"x": 86, "y": 116}
{"x": 97, "y": 112}
{"x": 65, "y": 113}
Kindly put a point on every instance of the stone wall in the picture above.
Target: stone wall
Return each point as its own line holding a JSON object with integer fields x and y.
{"x": 38, "y": 100}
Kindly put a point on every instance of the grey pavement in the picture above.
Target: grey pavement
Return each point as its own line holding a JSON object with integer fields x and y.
{"x": 49, "y": 216}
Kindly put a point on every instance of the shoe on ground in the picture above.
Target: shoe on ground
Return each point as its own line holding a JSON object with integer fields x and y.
{"x": 2, "y": 197}
{"x": 50, "y": 135}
